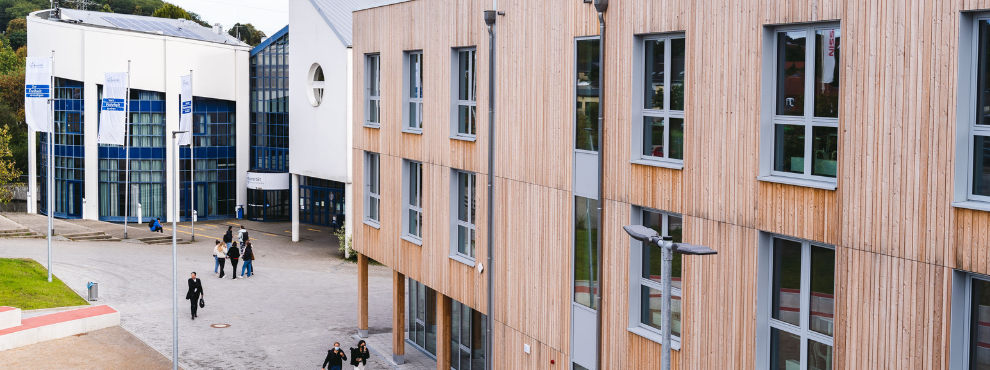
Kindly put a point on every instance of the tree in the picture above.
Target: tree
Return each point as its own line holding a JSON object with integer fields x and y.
{"x": 106, "y": 8}
{"x": 17, "y": 39}
{"x": 17, "y": 24}
{"x": 247, "y": 33}
{"x": 172, "y": 11}
{"x": 196, "y": 18}
{"x": 19, "y": 8}
{"x": 8, "y": 172}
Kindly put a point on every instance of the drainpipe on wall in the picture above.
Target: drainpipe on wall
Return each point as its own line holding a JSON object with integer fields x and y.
{"x": 601, "y": 6}
{"x": 490, "y": 16}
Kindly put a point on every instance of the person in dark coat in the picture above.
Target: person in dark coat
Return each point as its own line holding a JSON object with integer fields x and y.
{"x": 246, "y": 259}
{"x": 234, "y": 254}
{"x": 228, "y": 237}
{"x": 194, "y": 292}
{"x": 360, "y": 355}
{"x": 335, "y": 358}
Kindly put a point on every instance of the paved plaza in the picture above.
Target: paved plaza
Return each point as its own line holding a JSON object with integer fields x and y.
{"x": 302, "y": 299}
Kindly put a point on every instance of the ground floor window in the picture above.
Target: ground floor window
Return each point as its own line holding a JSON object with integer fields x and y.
{"x": 422, "y": 317}
{"x": 268, "y": 205}
{"x": 321, "y": 202}
{"x": 467, "y": 337}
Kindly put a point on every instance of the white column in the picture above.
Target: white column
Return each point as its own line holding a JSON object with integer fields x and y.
{"x": 295, "y": 207}
{"x": 91, "y": 110}
{"x": 242, "y": 95}
{"x": 32, "y": 206}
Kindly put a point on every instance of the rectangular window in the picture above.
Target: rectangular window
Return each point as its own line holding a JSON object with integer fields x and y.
{"x": 586, "y": 99}
{"x": 413, "y": 109}
{"x": 413, "y": 201}
{"x": 648, "y": 284}
{"x": 802, "y": 306}
{"x": 979, "y": 325}
{"x": 422, "y": 317}
{"x": 586, "y": 225}
{"x": 661, "y": 137}
{"x": 803, "y": 137}
{"x": 372, "y": 90}
{"x": 465, "y": 101}
{"x": 467, "y": 337}
{"x": 372, "y": 198}
{"x": 463, "y": 216}
{"x": 979, "y": 126}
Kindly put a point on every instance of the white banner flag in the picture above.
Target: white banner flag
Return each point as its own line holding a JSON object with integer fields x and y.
{"x": 37, "y": 91}
{"x": 185, "y": 112}
{"x": 828, "y": 56}
{"x": 113, "y": 109}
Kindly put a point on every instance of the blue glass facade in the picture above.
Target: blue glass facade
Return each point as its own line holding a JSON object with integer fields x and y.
{"x": 146, "y": 132}
{"x": 321, "y": 201}
{"x": 214, "y": 138}
{"x": 270, "y": 125}
{"x": 69, "y": 152}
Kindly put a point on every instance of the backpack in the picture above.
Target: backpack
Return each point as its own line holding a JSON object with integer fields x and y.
{"x": 246, "y": 236}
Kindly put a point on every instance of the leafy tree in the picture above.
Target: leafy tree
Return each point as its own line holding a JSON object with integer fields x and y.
{"x": 106, "y": 8}
{"x": 172, "y": 11}
{"x": 19, "y": 8}
{"x": 8, "y": 172}
{"x": 10, "y": 62}
{"x": 247, "y": 33}
{"x": 17, "y": 24}
{"x": 17, "y": 39}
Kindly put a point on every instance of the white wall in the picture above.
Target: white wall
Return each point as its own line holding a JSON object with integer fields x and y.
{"x": 84, "y": 53}
{"x": 317, "y": 135}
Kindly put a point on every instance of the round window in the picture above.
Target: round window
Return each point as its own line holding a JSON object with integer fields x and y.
{"x": 316, "y": 82}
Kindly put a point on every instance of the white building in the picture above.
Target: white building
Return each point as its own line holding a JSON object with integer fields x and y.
{"x": 90, "y": 177}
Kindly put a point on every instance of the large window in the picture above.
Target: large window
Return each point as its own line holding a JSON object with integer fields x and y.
{"x": 215, "y": 171}
{"x": 647, "y": 289}
{"x": 661, "y": 139}
{"x": 69, "y": 152}
{"x": 422, "y": 317}
{"x": 802, "y": 306}
{"x": 412, "y": 195}
{"x": 586, "y": 101}
{"x": 805, "y": 109}
{"x": 463, "y": 209}
{"x": 270, "y": 107}
{"x": 585, "y": 251}
{"x": 979, "y": 325}
{"x": 979, "y": 125}
{"x": 321, "y": 202}
{"x": 467, "y": 337}
{"x": 413, "y": 109}
{"x": 465, "y": 101}
{"x": 372, "y": 84}
{"x": 372, "y": 194}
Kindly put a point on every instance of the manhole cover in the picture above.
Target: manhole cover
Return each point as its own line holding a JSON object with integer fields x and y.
{"x": 220, "y": 326}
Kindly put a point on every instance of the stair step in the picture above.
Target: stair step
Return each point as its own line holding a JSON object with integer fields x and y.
{"x": 28, "y": 236}
{"x": 155, "y": 238}
{"x": 14, "y": 231}
{"x": 78, "y": 235}
{"x": 169, "y": 241}
{"x": 94, "y": 237}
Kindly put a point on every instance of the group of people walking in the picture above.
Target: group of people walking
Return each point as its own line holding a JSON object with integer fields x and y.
{"x": 235, "y": 251}
{"x": 336, "y": 357}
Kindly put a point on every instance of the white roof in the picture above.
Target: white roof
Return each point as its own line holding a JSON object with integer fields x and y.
{"x": 152, "y": 25}
{"x": 337, "y": 14}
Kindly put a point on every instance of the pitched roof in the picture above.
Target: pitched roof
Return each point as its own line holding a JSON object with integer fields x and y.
{"x": 337, "y": 14}
{"x": 159, "y": 26}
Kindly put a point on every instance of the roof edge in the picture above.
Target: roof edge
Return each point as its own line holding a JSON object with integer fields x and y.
{"x": 329, "y": 23}
{"x": 381, "y": 4}
{"x": 269, "y": 40}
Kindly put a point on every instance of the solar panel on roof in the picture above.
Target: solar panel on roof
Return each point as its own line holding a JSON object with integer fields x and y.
{"x": 164, "y": 27}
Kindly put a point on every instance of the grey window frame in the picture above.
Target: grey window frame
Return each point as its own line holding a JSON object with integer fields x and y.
{"x": 407, "y": 92}
{"x": 407, "y": 197}
{"x": 961, "y": 318}
{"x": 372, "y": 61}
{"x": 455, "y": 220}
{"x": 966, "y": 113}
{"x": 770, "y": 119}
{"x": 636, "y": 282}
{"x": 456, "y": 102}
{"x": 765, "y": 297}
{"x": 639, "y": 112}
{"x": 370, "y": 157}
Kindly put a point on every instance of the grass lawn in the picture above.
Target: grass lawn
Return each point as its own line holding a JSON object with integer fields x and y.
{"x": 24, "y": 284}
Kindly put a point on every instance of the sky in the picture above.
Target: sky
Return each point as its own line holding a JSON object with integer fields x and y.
{"x": 267, "y": 15}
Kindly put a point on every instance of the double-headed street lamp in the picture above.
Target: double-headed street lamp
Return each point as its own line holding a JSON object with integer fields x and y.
{"x": 667, "y": 245}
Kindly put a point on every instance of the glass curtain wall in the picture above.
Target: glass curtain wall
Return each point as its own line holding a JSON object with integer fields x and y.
{"x": 146, "y": 133}
{"x": 467, "y": 337}
{"x": 422, "y": 317}
{"x": 214, "y": 138}
{"x": 69, "y": 152}
{"x": 321, "y": 201}
{"x": 270, "y": 107}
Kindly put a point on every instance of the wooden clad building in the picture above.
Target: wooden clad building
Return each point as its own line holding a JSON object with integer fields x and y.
{"x": 832, "y": 152}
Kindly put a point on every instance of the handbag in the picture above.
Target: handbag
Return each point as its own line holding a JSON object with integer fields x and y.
{"x": 202, "y": 303}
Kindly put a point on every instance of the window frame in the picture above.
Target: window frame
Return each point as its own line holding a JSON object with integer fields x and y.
{"x": 636, "y": 282}
{"x": 408, "y": 167}
{"x": 456, "y": 102}
{"x": 407, "y": 86}
{"x": 804, "y": 330}
{"x": 639, "y": 99}
{"x": 370, "y": 157}
{"x": 770, "y": 119}
{"x": 966, "y": 112}
{"x": 455, "y": 220}
{"x": 372, "y": 61}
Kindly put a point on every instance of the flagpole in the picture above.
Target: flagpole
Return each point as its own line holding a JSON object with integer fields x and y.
{"x": 51, "y": 163}
{"x": 127, "y": 149}
{"x": 192, "y": 166}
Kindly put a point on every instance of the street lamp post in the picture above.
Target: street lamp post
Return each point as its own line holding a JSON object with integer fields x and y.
{"x": 650, "y": 237}
{"x": 175, "y": 218}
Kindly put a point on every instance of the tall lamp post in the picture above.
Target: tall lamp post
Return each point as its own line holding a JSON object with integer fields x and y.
{"x": 650, "y": 237}
{"x": 175, "y": 218}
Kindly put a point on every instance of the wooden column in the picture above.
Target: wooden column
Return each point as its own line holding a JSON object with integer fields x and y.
{"x": 398, "y": 317}
{"x": 444, "y": 304}
{"x": 362, "y": 262}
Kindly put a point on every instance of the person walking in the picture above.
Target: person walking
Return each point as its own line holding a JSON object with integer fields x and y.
{"x": 360, "y": 355}
{"x": 221, "y": 253}
{"x": 216, "y": 259}
{"x": 228, "y": 237}
{"x": 234, "y": 254}
{"x": 247, "y": 259}
{"x": 194, "y": 292}
{"x": 242, "y": 235}
{"x": 335, "y": 358}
